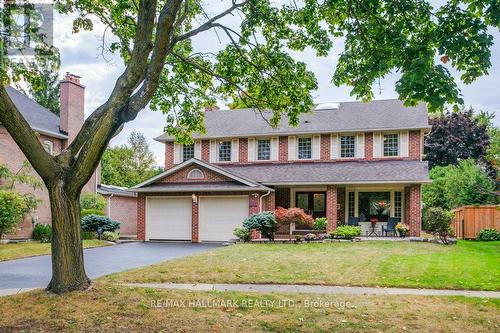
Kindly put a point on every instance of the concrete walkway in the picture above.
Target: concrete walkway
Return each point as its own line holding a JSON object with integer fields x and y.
{"x": 315, "y": 289}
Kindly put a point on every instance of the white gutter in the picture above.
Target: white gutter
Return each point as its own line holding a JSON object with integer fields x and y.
{"x": 261, "y": 201}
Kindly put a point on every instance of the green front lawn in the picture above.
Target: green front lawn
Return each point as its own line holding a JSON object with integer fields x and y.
{"x": 11, "y": 251}
{"x": 107, "y": 308}
{"x": 467, "y": 265}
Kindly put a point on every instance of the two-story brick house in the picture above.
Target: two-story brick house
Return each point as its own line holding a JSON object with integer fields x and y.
{"x": 348, "y": 162}
{"x": 54, "y": 132}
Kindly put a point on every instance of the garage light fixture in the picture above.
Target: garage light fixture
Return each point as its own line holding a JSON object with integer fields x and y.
{"x": 194, "y": 197}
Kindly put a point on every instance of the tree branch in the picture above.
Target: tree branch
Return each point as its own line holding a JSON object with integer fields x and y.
{"x": 27, "y": 140}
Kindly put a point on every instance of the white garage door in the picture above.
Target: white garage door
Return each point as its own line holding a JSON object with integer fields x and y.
{"x": 168, "y": 218}
{"x": 220, "y": 215}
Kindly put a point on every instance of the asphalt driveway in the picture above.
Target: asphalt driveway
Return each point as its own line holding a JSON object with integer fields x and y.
{"x": 35, "y": 272}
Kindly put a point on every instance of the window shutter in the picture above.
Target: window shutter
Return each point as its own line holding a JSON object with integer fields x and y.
{"x": 403, "y": 145}
{"x": 251, "y": 149}
{"x": 360, "y": 145}
{"x": 334, "y": 147}
{"x": 235, "y": 150}
{"x": 292, "y": 148}
{"x": 197, "y": 149}
{"x": 377, "y": 145}
{"x": 213, "y": 151}
{"x": 177, "y": 153}
{"x": 275, "y": 149}
{"x": 316, "y": 147}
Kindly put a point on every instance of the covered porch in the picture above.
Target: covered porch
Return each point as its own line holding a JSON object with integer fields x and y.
{"x": 375, "y": 208}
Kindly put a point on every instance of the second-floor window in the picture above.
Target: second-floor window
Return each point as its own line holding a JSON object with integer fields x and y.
{"x": 391, "y": 144}
{"x": 304, "y": 148}
{"x": 187, "y": 152}
{"x": 347, "y": 146}
{"x": 225, "y": 151}
{"x": 263, "y": 150}
{"x": 49, "y": 147}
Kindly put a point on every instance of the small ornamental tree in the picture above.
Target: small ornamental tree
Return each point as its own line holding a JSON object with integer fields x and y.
{"x": 438, "y": 223}
{"x": 12, "y": 209}
{"x": 265, "y": 222}
{"x": 94, "y": 222}
{"x": 294, "y": 215}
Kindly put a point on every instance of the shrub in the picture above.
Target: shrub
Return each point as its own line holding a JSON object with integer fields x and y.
{"x": 487, "y": 235}
{"x": 110, "y": 236}
{"x": 320, "y": 223}
{"x": 298, "y": 238}
{"x": 94, "y": 222}
{"x": 437, "y": 222}
{"x": 346, "y": 232}
{"x": 13, "y": 207}
{"x": 87, "y": 212}
{"x": 89, "y": 235}
{"x": 92, "y": 201}
{"x": 42, "y": 232}
{"x": 242, "y": 233}
{"x": 265, "y": 222}
{"x": 294, "y": 215}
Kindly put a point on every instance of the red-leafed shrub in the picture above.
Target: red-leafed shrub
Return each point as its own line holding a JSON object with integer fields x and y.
{"x": 294, "y": 215}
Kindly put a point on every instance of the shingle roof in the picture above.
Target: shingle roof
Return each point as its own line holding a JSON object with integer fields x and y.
{"x": 335, "y": 172}
{"x": 114, "y": 190}
{"x": 39, "y": 118}
{"x": 349, "y": 116}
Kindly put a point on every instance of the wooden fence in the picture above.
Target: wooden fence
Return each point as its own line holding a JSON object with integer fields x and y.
{"x": 469, "y": 220}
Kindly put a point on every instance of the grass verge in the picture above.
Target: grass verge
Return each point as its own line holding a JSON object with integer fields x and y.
{"x": 11, "y": 251}
{"x": 107, "y": 308}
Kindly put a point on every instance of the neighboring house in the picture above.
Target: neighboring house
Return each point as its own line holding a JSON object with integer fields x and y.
{"x": 349, "y": 162}
{"x": 55, "y": 133}
{"x": 122, "y": 207}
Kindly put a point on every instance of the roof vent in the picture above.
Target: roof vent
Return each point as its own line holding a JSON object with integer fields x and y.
{"x": 327, "y": 106}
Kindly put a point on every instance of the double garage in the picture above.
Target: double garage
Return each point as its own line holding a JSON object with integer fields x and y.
{"x": 174, "y": 217}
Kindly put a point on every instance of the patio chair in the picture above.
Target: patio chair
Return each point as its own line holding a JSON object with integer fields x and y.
{"x": 353, "y": 221}
{"x": 391, "y": 226}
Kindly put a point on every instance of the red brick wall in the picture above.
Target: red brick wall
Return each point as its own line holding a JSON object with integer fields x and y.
{"x": 283, "y": 149}
{"x": 325, "y": 147}
{"x": 205, "y": 150}
{"x": 243, "y": 150}
{"x": 369, "y": 146}
{"x": 331, "y": 208}
{"x": 141, "y": 216}
{"x": 13, "y": 157}
{"x": 123, "y": 210}
{"x": 341, "y": 202}
{"x": 72, "y": 100}
{"x": 406, "y": 207}
{"x": 181, "y": 176}
{"x": 195, "y": 225}
{"x": 415, "y": 211}
{"x": 414, "y": 145}
{"x": 282, "y": 195}
{"x": 269, "y": 202}
{"x": 169, "y": 155}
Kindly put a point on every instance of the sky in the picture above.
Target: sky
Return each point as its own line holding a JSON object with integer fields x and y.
{"x": 81, "y": 54}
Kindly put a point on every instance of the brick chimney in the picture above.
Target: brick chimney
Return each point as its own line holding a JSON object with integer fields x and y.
{"x": 72, "y": 105}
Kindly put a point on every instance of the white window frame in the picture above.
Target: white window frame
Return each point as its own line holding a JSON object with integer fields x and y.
{"x": 183, "y": 154}
{"x": 257, "y": 149}
{"x": 48, "y": 146}
{"x": 191, "y": 174}
{"x": 382, "y": 143}
{"x": 354, "y": 147}
{"x": 219, "y": 142}
{"x": 298, "y": 146}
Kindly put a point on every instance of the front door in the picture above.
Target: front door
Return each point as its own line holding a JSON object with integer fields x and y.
{"x": 313, "y": 203}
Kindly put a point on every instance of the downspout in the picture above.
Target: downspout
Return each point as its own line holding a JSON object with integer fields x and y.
{"x": 109, "y": 205}
{"x": 262, "y": 202}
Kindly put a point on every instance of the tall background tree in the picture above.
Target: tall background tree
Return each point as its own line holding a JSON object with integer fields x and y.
{"x": 129, "y": 165}
{"x": 456, "y": 136}
{"x": 44, "y": 88}
{"x": 163, "y": 67}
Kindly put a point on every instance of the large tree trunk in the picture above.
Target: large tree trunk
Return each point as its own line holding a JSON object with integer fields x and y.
{"x": 68, "y": 272}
